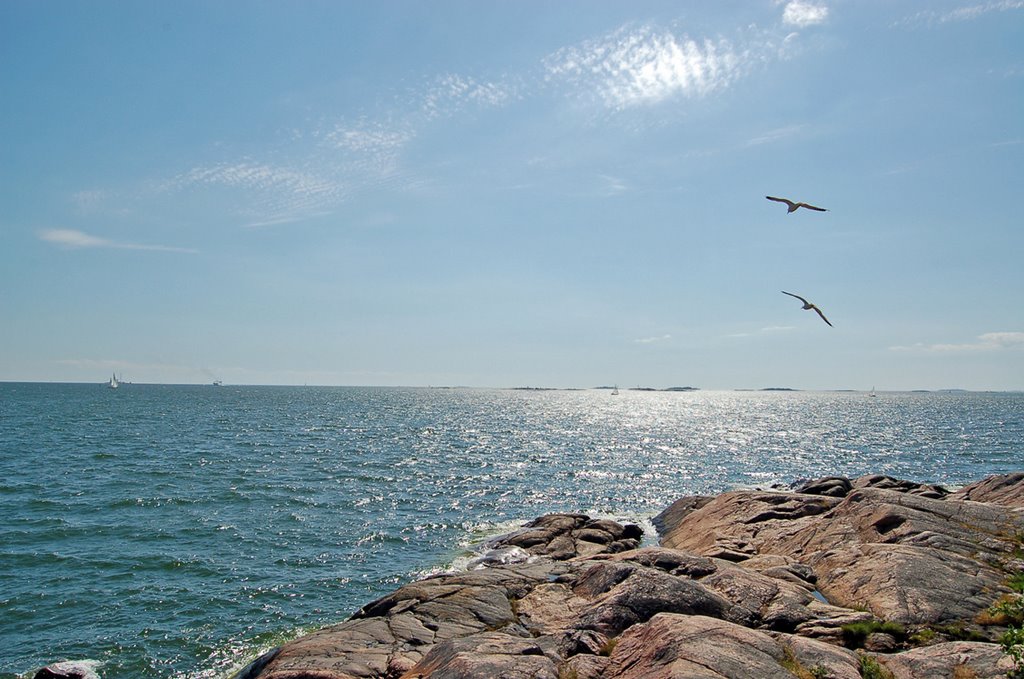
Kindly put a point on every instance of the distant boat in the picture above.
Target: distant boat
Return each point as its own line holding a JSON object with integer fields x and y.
{"x": 218, "y": 383}
{"x": 615, "y": 390}
{"x": 872, "y": 393}
{"x": 113, "y": 383}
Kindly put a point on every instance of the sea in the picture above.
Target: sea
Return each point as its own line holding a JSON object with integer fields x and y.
{"x": 180, "y": 531}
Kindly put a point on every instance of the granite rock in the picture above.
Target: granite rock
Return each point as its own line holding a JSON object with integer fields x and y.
{"x": 899, "y": 553}
{"x": 744, "y": 584}
{"x": 69, "y": 669}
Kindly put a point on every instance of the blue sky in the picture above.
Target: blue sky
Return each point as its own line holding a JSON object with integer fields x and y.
{"x": 557, "y": 194}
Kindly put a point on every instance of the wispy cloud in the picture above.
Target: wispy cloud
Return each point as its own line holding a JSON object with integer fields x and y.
{"x": 801, "y": 13}
{"x": 370, "y": 138}
{"x": 613, "y": 185}
{"x": 777, "y": 134}
{"x": 341, "y": 159}
{"x": 88, "y": 200}
{"x": 329, "y": 162}
{"x": 653, "y": 340}
{"x": 273, "y": 194}
{"x": 631, "y": 67}
{"x": 963, "y": 13}
{"x": 72, "y": 239}
{"x": 452, "y": 92}
{"x": 259, "y": 177}
{"x": 767, "y": 330}
{"x": 992, "y": 341}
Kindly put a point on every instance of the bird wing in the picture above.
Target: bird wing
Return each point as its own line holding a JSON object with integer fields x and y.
{"x": 822, "y": 315}
{"x": 797, "y": 296}
{"x": 812, "y": 207}
{"x": 780, "y": 200}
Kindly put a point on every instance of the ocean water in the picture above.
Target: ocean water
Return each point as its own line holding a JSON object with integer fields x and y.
{"x": 178, "y": 531}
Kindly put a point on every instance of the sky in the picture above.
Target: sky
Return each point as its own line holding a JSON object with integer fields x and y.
{"x": 500, "y": 194}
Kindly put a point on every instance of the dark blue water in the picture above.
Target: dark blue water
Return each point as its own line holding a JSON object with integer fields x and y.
{"x": 176, "y": 531}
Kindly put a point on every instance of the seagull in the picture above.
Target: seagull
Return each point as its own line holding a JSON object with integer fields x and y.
{"x": 808, "y": 305}
{"x": 793, "y": 207}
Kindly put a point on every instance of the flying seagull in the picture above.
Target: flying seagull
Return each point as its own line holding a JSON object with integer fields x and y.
{"x": 808, "y": 305}
{"x": 793, "y": 207}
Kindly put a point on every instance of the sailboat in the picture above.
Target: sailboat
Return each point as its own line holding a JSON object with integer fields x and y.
{"x": 615, "y": 390}
{"x": 113, "y": 383}
{"x": 872, "y": 394}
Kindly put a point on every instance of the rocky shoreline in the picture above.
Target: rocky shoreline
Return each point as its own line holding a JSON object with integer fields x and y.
{"x": 840, "y": 578}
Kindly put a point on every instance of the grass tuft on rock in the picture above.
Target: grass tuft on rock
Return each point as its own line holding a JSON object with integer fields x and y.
{"x": 872, "y": 669}
{"x": 855, "y": 633}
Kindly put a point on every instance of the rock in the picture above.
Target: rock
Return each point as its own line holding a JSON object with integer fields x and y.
{"x": 741, "y": 518}
{"x": 733, "y": 592}
{"x": 585, "y": 667}
{"x": 906, "y": 557}
{"x": 70, "y": 669}
{"x": 253, "y": 669}
{"x": 889, "y": 483}
{"x": 566, "y": 536}
{"x": 672, "y": 561}
{"x": 879, "y": 642}
{"x": 782, "y": 568}
{"x": 678, "y": 510}
{"x": 959, "y": 659}
{"x": 829, "y": 621}
{"x": 396, "y": 633}
{"x": 840, "y": 486}
{"x": 820, "y": 659}
{"x": 831, "y": 486}
{"x": 489, "y": 654}
{"x": 644, "y": 593}
{"x": 671, "y": 646}
{"x": 502, "y": 556}
{"x": 548, "y": 608}
{"x": 1006, "y": 490}
{"x": 761, "y": 601}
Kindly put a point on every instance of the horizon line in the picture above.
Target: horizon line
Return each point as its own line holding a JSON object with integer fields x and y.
{"x": 670, "y": 389}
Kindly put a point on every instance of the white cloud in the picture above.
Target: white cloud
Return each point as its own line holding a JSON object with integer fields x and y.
{"x": 644, "y": 66}
{"x": 776, "y": 135}
{"x": 801, "y": 13}
{"x": 653, "y": 340}
{"x": 992, "y": 341}
{"x": 451, "y": 92}
{"x": 369, "y": 138}
{"x": 1003, "y": 339}
{"x": 274, "y": 194}
{"x": 258, "y": 177}
{"x": 72, "y": 239}
{"x": 964, "y": 13}
{"x": 613, "y": 185}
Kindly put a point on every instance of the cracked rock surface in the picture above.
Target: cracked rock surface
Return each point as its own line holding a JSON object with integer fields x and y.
{"x": 745, "y": 584}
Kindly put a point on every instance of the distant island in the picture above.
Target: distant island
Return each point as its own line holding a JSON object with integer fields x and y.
{"x": 653, "y": 388}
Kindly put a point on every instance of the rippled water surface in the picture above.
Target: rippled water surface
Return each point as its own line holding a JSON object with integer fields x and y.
{"x": 172, "y": 531}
